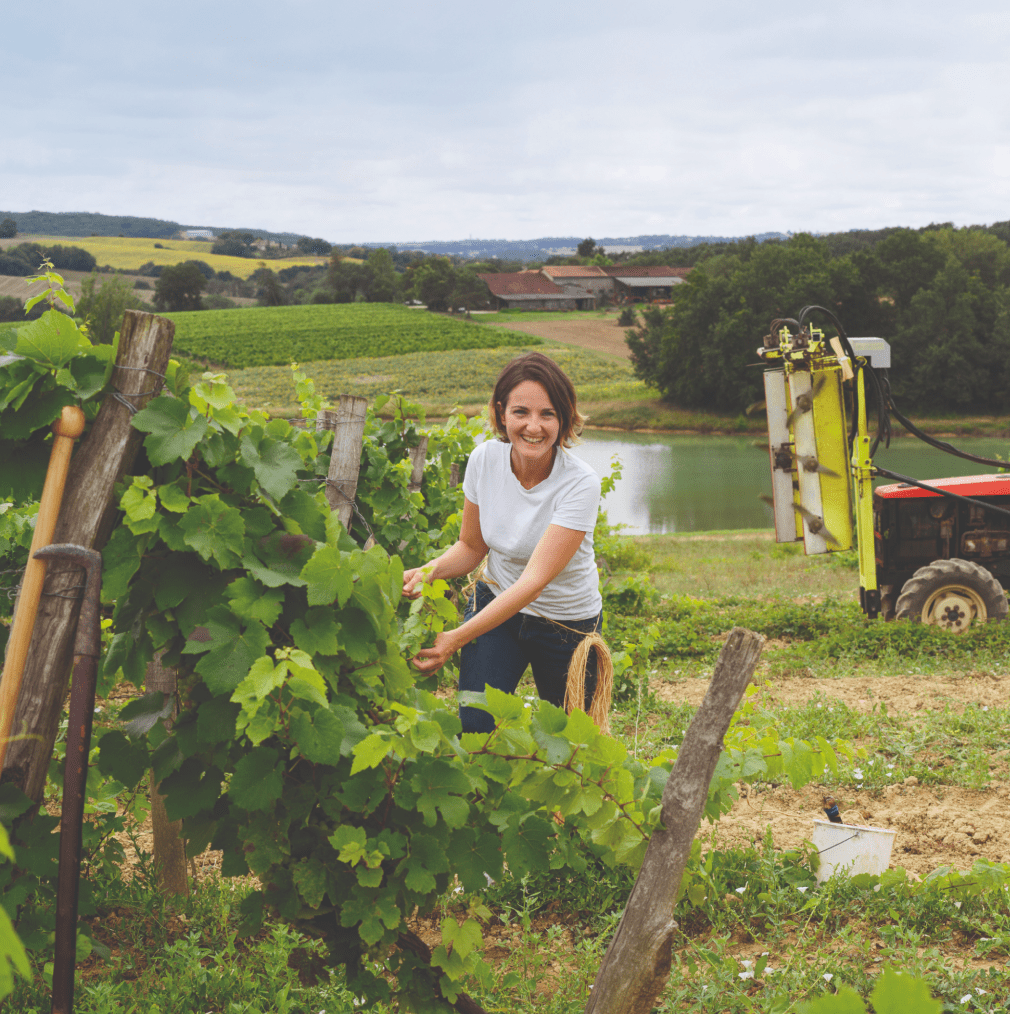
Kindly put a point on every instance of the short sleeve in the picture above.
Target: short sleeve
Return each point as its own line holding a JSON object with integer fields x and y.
{"x": 578, "y": 508}
{"x": 473, "y": 473}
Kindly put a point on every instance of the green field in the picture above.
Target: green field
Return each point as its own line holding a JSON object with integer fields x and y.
{"x": 439, "y": 380}
{"x": 278, "y": 335}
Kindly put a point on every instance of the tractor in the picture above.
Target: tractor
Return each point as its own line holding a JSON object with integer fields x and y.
{"x": 934, "y": 552}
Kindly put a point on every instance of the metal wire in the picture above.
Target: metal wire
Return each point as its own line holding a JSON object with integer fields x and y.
{"x": 348, "y": 500}
{"x": 122, "y": 396}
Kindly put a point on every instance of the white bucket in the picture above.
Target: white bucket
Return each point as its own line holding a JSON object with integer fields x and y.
{"x": 852, "y": 847}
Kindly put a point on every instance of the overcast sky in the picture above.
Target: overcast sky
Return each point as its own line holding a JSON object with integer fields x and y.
{"x": 402, "y": 121}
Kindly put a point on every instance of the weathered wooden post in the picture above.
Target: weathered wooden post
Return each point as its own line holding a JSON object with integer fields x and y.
{"x": 347, "y": 422}
{"x": 103, "y": 458}
{"x": 169, "y": 845}
{"x": 637, "y": 963}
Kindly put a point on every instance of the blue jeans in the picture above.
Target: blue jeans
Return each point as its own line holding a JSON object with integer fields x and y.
{"x": 499, "y": 658}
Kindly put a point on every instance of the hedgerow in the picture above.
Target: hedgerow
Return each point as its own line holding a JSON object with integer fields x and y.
{"x": 272, "y": 335}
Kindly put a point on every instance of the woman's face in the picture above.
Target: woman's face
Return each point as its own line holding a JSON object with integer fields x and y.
{"x": 531, "y": 424}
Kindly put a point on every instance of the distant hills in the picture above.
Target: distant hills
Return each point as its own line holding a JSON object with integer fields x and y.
{"x": 88, "y": 223}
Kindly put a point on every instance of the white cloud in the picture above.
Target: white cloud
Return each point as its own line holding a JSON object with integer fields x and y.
{"x": 406, "y": 121}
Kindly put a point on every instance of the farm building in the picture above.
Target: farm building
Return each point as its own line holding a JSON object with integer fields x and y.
{"x": 584, "y": 283}
{"x": 197, "y": 234}
{"x": 582, "y": 287}
{"x": 644, "y": 283}
{"x": 527, "y": 290}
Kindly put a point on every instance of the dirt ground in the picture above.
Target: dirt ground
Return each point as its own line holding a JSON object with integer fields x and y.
{"x": 861, "y": 693}
{"x": 594, "y": 333}
{"x": 935, "y": 825}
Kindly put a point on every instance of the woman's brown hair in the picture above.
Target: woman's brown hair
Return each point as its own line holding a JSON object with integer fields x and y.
{"x": 543, "y": 370}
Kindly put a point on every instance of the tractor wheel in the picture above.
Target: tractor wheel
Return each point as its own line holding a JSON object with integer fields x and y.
{"x": 952, "y": 594}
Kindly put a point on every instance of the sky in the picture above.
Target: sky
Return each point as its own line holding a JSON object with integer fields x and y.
{"x": 406, "y": 121}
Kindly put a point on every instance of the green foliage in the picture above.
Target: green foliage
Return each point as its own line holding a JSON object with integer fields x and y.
{"x": 941, "y": 296}
{"x": 55, "y": 365}
{"x": 8, "y": 228}
{"x": 103, "y": 310}
{"x": 262, "y": 336}
{"x": 894, "y": 993}
{"x": 23, "y": 259}
{"x": 179, "y": 287}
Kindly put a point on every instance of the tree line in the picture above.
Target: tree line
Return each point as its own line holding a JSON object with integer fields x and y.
{"x": 939, "y": 295}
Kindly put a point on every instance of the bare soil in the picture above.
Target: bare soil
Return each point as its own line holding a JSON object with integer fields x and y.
{"x": 936, "y": 825}
{"x": 594, "y": 333}
{"x": 861, "y": 693}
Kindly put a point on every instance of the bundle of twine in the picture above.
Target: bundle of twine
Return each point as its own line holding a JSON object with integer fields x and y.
{"x": 575, "y": 680}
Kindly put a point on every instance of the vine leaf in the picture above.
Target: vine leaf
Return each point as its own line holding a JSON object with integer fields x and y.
{"x": 257, "y": 780}
{"x": 214, "y": 530}
{"x": 329, "y": 576}
{"x": 140, "y": 715}
{"x": 231, "y": 650}
{"x": 51, "y": 340}
{"x": 172, "y": 433}
{"x": 274, "y": 463}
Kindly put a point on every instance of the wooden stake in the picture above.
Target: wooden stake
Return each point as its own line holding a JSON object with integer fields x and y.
{"x": 105, "y": 456}
{"x": 348, "y": 425}
{"x": 637, "y": 963}
{"x": 67, "y": 429}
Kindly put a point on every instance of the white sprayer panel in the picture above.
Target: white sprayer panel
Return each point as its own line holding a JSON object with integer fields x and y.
{"x": 777, "y": 408}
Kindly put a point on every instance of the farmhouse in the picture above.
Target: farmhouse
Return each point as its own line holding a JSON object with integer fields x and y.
{"x": 527, "y": 290}
{"x": 641, "y": 283}
{"x": 197, "y": 234}
{"x": 582, "y": 287}
{"x": 584, "y": 283}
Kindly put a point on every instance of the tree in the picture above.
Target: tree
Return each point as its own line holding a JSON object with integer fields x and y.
{"x": 103, "y": 309}
{"x": 8, "y": 228}
{"x": 270, "y": 291}
{"x": 587, "y": 247}
{"x": 434, "y": 282}
{"x": 235, "y": 243}
{"x": 179, "y": 288}
{"x": 384, "y": 284}
{"x": 314, "y": 247}
{"x": 699, "y": 352}
{"x": 469, "y": 290}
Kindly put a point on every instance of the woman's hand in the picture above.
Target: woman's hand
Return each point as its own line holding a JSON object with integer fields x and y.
{"x": 412, "y": 578}
{"x": 429, "y": 660}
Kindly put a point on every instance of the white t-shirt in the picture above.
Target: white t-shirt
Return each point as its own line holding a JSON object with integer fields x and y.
{"x": 514, "y": 519}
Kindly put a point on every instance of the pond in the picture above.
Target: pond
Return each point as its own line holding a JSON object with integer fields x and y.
{"x": 704, "y": 483}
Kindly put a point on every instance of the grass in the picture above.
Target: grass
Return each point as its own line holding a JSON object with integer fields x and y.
{"x": 129, "y": 253}
{"x": 278, "y": 335}
{"x": 439, "y": 380}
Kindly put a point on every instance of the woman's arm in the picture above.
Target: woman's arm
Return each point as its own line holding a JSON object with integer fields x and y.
{"x": 553, "y": 553}
{"x": 460, "y": 558}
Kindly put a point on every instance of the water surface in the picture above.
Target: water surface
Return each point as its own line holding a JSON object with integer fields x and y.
{"x": 704, "y": 483}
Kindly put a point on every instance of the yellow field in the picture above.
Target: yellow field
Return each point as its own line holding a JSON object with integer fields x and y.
{"x": 130, "y": 253}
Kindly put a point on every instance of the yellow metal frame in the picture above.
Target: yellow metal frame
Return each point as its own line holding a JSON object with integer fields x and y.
{"x": 862, "y": 476}
{"x": 823, "y": 431}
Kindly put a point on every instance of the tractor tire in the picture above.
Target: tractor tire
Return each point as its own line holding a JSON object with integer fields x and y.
{"x": 952, "y": 594}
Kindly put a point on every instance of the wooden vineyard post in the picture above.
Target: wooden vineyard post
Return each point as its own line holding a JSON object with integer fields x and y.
{"x": 169, "y": 846}
{"x": 637, "y": 963}
{"x": 89, "y": 511}
{"x": 347, "y": 422}
{"x": 66, "y": 430}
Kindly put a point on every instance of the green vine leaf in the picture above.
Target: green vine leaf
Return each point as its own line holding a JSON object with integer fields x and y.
{"x": 173, "y": 432}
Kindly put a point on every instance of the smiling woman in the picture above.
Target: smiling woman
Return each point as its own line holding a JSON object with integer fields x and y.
{"x": 529, "y": 512}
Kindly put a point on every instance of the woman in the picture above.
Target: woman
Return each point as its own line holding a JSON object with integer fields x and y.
{"x": 530, "y": 507}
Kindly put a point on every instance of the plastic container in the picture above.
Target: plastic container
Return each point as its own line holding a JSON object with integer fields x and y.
{"x": 851, "y": 847}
